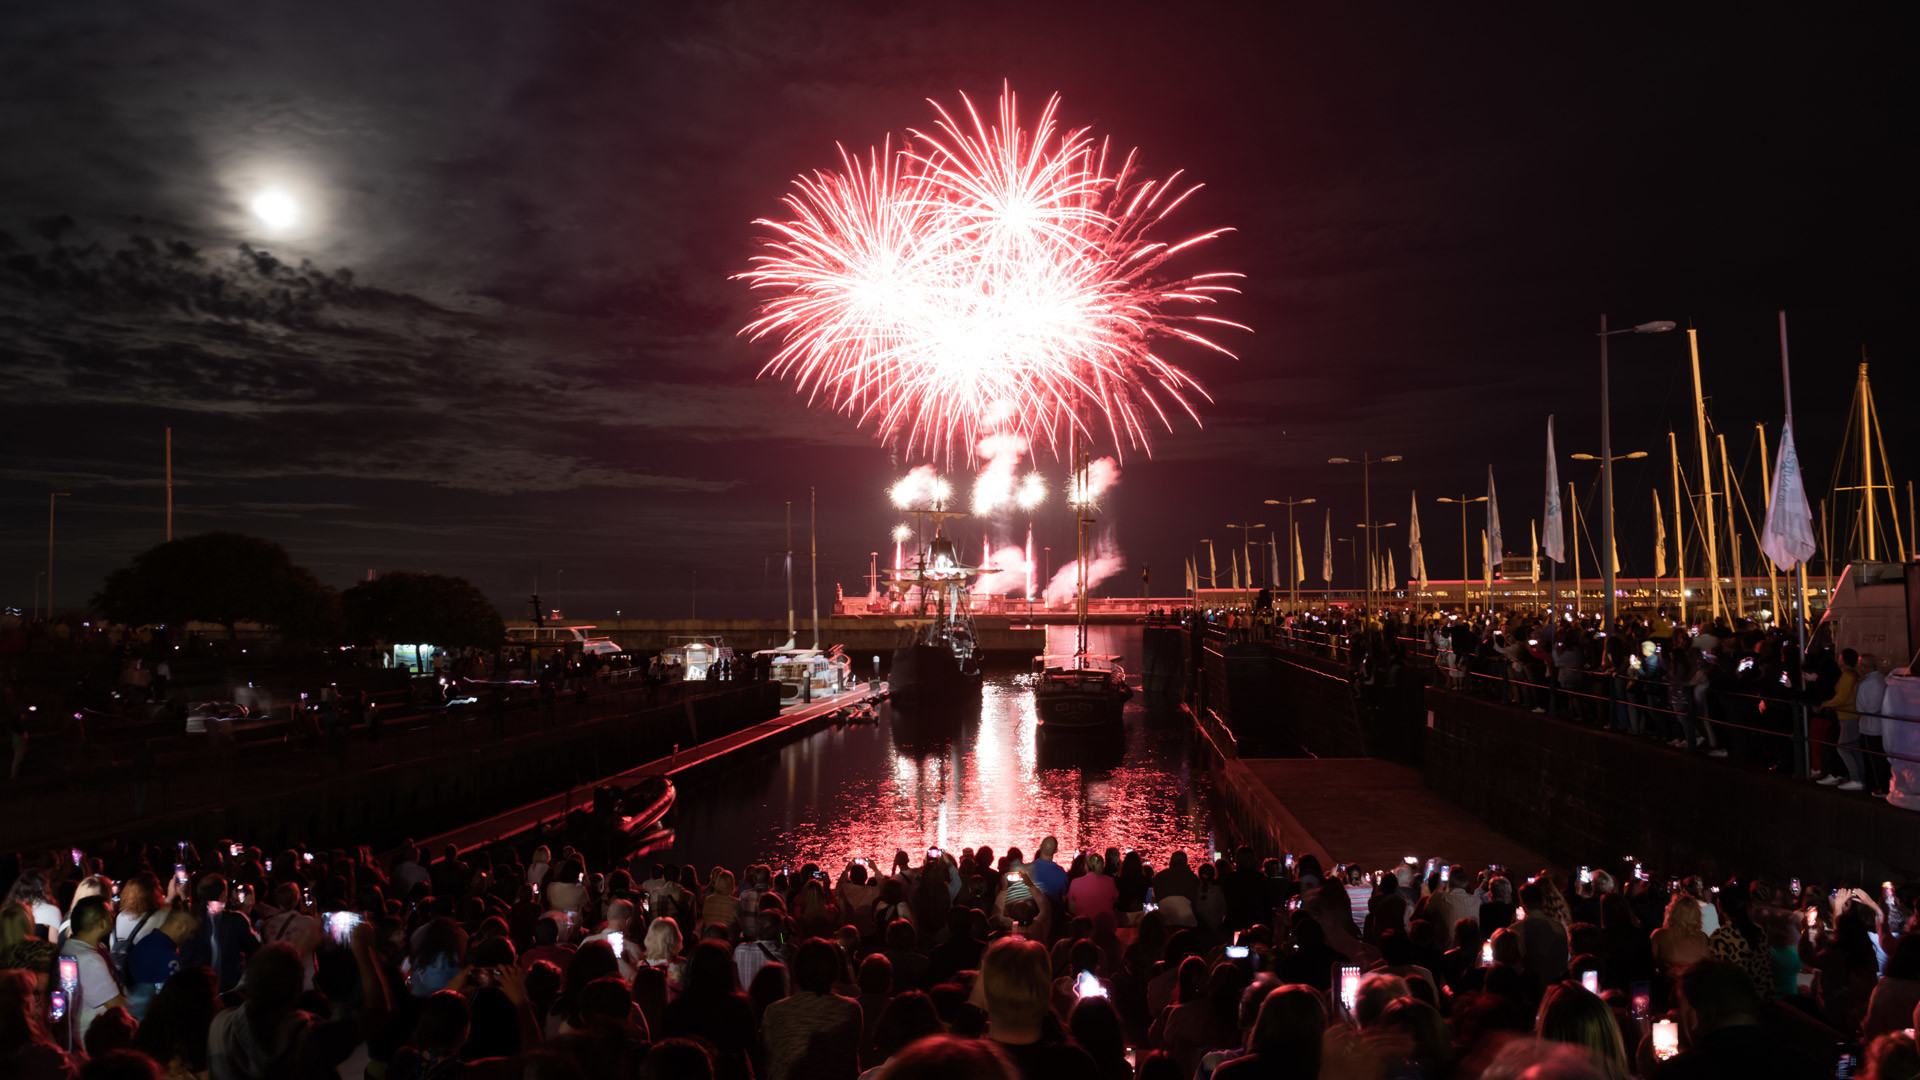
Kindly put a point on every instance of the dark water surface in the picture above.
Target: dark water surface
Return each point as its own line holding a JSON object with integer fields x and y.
{"x": 979, "y": 777}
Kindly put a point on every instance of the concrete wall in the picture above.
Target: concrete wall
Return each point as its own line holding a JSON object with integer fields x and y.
{"x": 863, "y": 637}
{"x": 1586, "y": 797}
{"x": 1279, "y": 702}
{"x": 478, "y": 776}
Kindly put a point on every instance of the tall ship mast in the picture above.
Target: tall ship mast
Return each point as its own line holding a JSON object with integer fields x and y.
{"x": 939, "y": 660}
{"x": 1083, "y": 690}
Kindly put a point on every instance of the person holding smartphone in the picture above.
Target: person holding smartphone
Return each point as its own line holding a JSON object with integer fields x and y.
{"x": 98, "y": 988}
{"x": 304, "y": 1044}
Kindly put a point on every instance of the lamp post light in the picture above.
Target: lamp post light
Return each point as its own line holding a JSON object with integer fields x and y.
{"x": 52, "y": 495}
{"x": 1372, "y": 546}
{"x": 1464, "y": 502}
{"x": 1293, "y": 572}
{"x": 1366, "y": 494}
{"x": 1660, "y": 326}
{"x": 1606, "y": 517}
{"x": 1246, "y": 545}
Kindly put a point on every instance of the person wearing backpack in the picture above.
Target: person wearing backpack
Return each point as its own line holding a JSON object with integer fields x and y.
{"x": 155, "y": 958}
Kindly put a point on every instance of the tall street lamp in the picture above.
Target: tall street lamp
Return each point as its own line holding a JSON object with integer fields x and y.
{"x": 1464, "y": 502}
{"x": 1246, "y": 545}
{"x": 1293, "y": 572}
{"x": 1606, "y": 517}
{"x": 1366, "y": 492}
{"x": 1606, "y": 443}
{"x": 1373, "y": 544}
{"x": 50, "y": 497}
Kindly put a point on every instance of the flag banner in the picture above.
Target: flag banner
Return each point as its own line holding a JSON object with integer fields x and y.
{"x": 1326, "y": 552}
{"x": 1486, "y": 556}
{"x": 1495, "y": 542}
{"x": 1299, "y": 560}
{"x": 1393, "y": 579}
{"x": 1659, "y": 537}
{"x": 1788, "y": 536}
{"x": 1556, "y": 528}
{"x": 1534, "y": 573}
{"x": 1192, "y": 584}
{"x": 1273, "y": 562}
{"x": 1416, "y": 556}
{"x": 1213, "y": 568}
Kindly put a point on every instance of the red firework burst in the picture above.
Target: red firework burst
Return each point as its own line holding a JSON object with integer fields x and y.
{"x": 984, "y": 278}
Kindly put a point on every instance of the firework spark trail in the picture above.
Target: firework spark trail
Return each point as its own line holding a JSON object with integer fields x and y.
{"x": 985, "y": 279}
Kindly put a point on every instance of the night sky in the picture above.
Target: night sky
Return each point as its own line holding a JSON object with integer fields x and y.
{"x": 500, "y": 340}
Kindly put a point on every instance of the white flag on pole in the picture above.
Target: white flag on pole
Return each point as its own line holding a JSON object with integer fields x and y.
{"x": 1496, "y": 545}
{"x": 1788, "y": 536}
{"x": 1213, "y": 568}
{"x": 1393, "y": 579}
{"x": 1192, "y": 585}
{"x": 1299, "y": 560}
{"x": 1326, "y": 552}
{"x": 1659, "y": 538}
{"x": 1233, "y": 558}
{"x": 1273, "y": 562}
{"x": 1556, "y": 528}
{"x": 1486, "y": 556}
{"x": 1534, "y": 574}
{"x": 1416, "y": 555}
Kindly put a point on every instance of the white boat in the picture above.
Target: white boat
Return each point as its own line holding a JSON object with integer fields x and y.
{"x": 808, "y": 674}
{"x": 687, "y": 659}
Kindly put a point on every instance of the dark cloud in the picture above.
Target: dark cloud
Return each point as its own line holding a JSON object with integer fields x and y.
{"x": 503, "y": 334}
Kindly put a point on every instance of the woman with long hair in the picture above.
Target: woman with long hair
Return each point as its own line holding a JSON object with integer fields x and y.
{"x": 142, "y": 910}
{"x": 663, "y": 944}
{"x": 589, "y": 962}
{"x": 712, "y": 1007}
{"x": 25, "y": 1048}
{"x": 1679, "y": 942}
{"x": 437, "y": 958}
{"x": 1570, "y": 1014}
{"x": 174, "y": 1032}
{"x": 1096, "y": 1027}
{"x": 19, "y": 948}
{"x": 1287, "y": 1037}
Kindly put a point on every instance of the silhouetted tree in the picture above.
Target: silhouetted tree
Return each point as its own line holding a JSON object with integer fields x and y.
{"x": 225, "y": 578}
{"x": 430, "y": 609}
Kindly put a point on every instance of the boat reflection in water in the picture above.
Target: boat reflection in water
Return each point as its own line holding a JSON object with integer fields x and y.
{"x": 913, "y": 781}
{"x": 957, "y": 781}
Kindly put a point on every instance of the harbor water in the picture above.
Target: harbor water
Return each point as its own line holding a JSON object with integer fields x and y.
{"x": 960, "y": 778}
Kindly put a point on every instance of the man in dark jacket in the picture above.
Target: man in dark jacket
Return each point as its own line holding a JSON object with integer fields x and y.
{"x": 225, "y": 938}
{"x": 1725, "y": 1035}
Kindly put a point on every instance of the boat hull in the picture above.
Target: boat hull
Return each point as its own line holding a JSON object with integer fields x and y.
{"x": 1079, "y": 704}
{"x": 929, "y": 675}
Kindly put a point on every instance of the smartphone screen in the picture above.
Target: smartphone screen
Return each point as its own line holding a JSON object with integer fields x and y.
{"x": 1087, "y": 984}
{"x": 1349, "y": 983}
{"x": 215, "y": 907}
{"x": 180, "y": 873}
{"x": 1666, "y": 1039}
{"x": 77, "y": 856}
{"x": 58, "y": 1005}
{"x": 1642, "y": 1000}
{"x": 1012, "y": 878}
{"x": 235, "y": 849}
{"x": 1846, "y": 1061}
{"x": 1237, "y": 952}
{"x": 1586, "y": 875}
{"x": 69, "y": 973}
{"x": 617, "y": 941}
{"x": 1590, "y": 980}
{"x": 1486, "y": 954}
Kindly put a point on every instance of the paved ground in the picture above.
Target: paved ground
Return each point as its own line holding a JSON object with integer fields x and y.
{"x": 1374, "y": 812}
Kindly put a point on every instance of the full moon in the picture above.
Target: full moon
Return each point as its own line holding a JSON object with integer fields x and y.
{"x": 276, "y": 209}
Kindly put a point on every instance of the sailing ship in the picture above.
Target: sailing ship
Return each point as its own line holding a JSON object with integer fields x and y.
{"x": 939, "y": 662}
{"x": 1084, "y": 690}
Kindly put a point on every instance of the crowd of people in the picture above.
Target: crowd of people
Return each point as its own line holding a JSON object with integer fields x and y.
{"x": 1724, "y": 687}
{"x": 543, "y": 961}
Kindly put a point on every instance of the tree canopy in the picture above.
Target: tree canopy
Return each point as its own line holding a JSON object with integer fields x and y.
{"x": 431, "y": 609}
{"x": 225, "y": 578}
